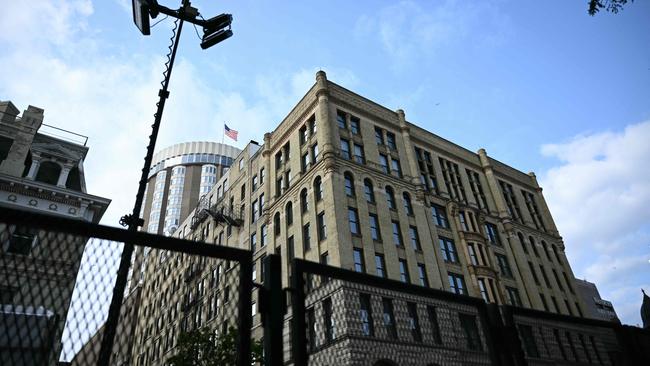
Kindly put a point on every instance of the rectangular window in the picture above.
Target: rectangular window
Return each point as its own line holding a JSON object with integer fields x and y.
{"x": 477, "y": 189}
{"x": 544, "y": 303}
{"x": 380, "y": 265}
{"x": 452, "y": 179}
{"x": 396, "y": 167}
{"x": 533, "y": 210}
{"x": 383, "y": 161}
{"x": 322, "y": 228}
{"x": 359, "y": 155}
{"x": 345, "y": 149}
{"x": 415, "y": 239}
{"x": 365, "y": 314}
{"x": 262, "y": 175}
{"x": 304, "y": 162}
{"x": 504, "y": 266}
{"x": 254, "y": 183}
{"x": 312, "y": 126}
{"x": 328, "y": 319}
{"x": 457, "y": 283}
{"x": 532, "y": 271}
{"x": 379, "y": 136}
{"x": 468, "y": 323}
{"x": 513, "y": 296}
{"x": 254, "y": 208}
{"x": 473, "y": 258}
{"x": 558, "y": 340}
{"x": 306, "y": 237}
{"x": 354, "y": 125}
{"x": 389, "y": 317}
{"x": 511, "y": 201}
{"x": 548, "y": 283}
{"x": 528, "y": 340}
{"x": 557, "y": 280}
{"x": 264, "y": 231}
{"x": 314, "y": 154}
{"x": 390, "y": 140}
{"x": 414, "y": 321}
{"x": 422, "y": 273}
{"x": 353, "y": 219}
{"x": 435, "y": 327}
{"x": 483, "y": 290}
{"x": 311, "y": 328}
{"x": 403, "y": 271}
{"x": 375, "y": 234}
{"x": 340, "y": 119}
{"x": 492, "y": 234}
{"x": 253, "y": 241}
{"x": 439, "y": 215}
{"x": 448, "y": 248}
{"x": 357, "y": 254}
{"x": 303, "y": 135}
{"x": 397, "y": 234}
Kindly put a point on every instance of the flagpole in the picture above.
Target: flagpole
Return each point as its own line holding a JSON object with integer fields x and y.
{"x": 223, "y": 132}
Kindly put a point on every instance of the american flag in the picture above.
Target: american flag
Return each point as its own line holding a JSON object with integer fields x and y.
{"x": 230, "y": 132}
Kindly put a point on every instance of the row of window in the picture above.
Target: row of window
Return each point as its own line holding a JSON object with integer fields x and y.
{"x": 564, "y": 343}
{"x": 388, "y": 322}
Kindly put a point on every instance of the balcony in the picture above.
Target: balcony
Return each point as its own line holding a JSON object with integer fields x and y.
{"x": 221, "y": 212}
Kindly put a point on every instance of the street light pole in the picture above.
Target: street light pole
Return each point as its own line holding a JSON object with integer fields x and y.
{"x": 134, "y": 221}
{"x": 214, "y": 32}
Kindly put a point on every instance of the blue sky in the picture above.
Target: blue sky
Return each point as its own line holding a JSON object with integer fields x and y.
{"x": 541, "y": 85}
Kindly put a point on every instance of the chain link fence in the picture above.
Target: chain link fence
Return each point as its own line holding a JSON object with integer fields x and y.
{"x": 57, "y": 278}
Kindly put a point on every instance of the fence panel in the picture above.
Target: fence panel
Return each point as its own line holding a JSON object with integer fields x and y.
{"x": 57, "y": 277}
{"x": 342, "y": 317}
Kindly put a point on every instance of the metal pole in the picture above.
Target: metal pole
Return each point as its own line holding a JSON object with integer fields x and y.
{"x": 133, "y": 220}
{"x": 273, "y": 312}
{"x": 245, "y": 321}
{"x": 299, "y": 338}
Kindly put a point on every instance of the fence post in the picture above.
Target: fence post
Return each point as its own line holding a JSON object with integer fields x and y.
{"x": 511, "y": 337}
{"x": 299, "y": 338}
{"x": 245, "y": 317}
{"x": 273, "y": 311}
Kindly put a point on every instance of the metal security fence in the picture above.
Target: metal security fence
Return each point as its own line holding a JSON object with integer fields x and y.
{"x": 342, "y": 317}
{"x": 57, "y": 277}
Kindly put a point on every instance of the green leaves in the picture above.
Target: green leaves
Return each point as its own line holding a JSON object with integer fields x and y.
{"x": 201, "y": 347}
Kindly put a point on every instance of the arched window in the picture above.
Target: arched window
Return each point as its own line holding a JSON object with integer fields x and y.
{"x": 318, "y": 188}
{"x": 369, "y": 190}
{"x": 349, "y": 184}
{"x": 523, "y": 242}
{"x": 557, "y": 255}
{"x": 545, "y": 247}
{"x": 407, "y": 204}
{"x": 74, "y": 180}
{"x": 48, "y": 172}
{"x": 288, "y": 213}
{"x": 304, "y": 204}
{"x": 533, "y": 245}
{"x": 390, "y": 198}
{"x": 276, "y": 223}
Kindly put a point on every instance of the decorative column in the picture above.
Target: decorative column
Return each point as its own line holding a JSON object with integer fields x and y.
{"x": 493, "y": 185}
{"x": 63, "y": 177}
{"x": 33, "y": 169}
{"x": 410, "y": 151}
{"x": 323, "y": 121}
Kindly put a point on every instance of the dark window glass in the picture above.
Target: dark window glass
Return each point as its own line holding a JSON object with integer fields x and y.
{"x": 349, "y": 184}
{"x": 414, "y": 321}
{"x": 390, "y": 141}
{"x": 389, "y": 317}
{"x": 390, "y": 198}
{"x": 379, "y": 136}
{"x": 345, "y": 149}
{"x": 492, "y": 234}
{"x": 380, "y": 265}
{"x": 369, "y": 191}
{"x": 457, "y": 283}
{"x": 468, "y": 323}
{"x": 328, "y": 319}
{"x": 504, "y": 266}
{"x": 353, "y": 219}
{"x": 365, "y": 314}
{"x": 435, "y": 327}
{"x": 340, "y": 119}
{"x": 322, "y": 232}
{"x": 403, "y": 271}
{"x": 354, "y": 125}
{"x": 448, "y": 248}
{"x": 439, "y": 215}
{"x": 359, "y": 154}
{"x": 358, "y": 260}
{"x": 408, "y": 207}
{"x": 528, "y": 340}
{"x": 375, "y": 234}
{"x": 422, "y": 273}
{"x": 415, "y": 239}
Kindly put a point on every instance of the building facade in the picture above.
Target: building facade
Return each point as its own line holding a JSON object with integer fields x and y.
{"x": 595, "y": 306}
{"x": 345, "y": 181}
{"x": 41, "y": 169}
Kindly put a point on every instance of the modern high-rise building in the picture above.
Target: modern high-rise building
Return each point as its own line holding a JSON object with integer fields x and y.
{"x": 595, "y": 306}
{"x": 345, "y": 181}
{"x": 42, "y": 170}
{"x": 180, "y": 174}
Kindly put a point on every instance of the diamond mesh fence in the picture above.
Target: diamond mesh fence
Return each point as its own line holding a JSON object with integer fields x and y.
{"x": 57, "y": 279}
{"x": 356, "y": 319}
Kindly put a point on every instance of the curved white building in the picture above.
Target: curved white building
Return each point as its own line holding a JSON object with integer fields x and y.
{"x": 180, "y": 174}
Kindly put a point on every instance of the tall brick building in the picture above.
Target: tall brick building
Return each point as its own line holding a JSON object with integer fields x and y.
{"x": 347, "y": 182}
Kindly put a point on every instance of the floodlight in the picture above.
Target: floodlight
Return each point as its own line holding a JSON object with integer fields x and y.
{"x": 141, "y": 16}
{"x": 216, "y": 23}
{"x": 214, "y": 38}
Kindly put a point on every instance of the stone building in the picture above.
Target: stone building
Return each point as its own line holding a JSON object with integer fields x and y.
{"x": 595, "y": 306}
{"x": 41, "y": 169}
{"x": 347, "y": 182}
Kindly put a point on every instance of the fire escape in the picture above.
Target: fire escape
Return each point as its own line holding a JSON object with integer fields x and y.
{"x": 221, "y": 212}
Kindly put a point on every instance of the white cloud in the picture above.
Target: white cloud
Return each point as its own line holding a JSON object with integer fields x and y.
{"x": 409, "y": 29}
{"x": 600, "y": 198}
